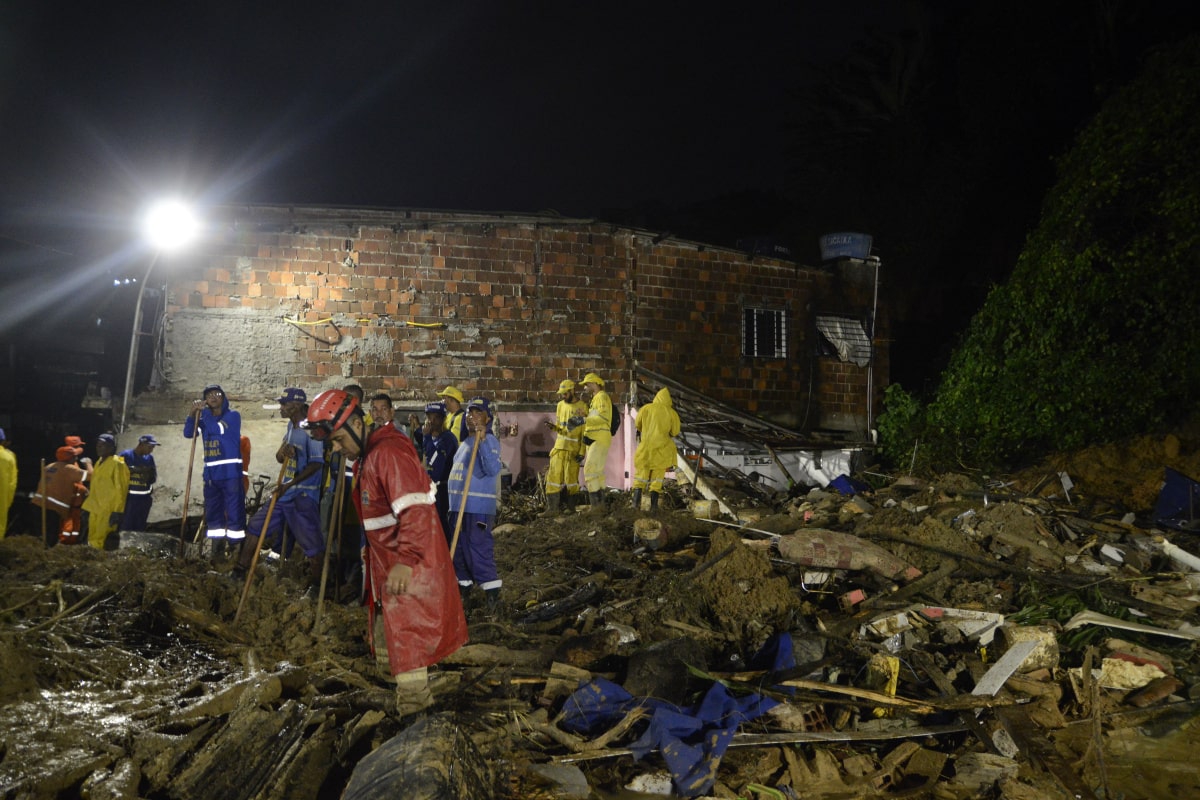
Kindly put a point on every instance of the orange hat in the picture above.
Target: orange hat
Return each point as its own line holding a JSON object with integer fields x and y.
{"x": 65, "y": 453}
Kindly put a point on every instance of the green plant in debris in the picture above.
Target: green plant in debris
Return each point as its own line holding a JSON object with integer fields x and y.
{"x": 900, "y": 427}
{"x": 1038, "y": 609}
{"x": 1093, "y": 337}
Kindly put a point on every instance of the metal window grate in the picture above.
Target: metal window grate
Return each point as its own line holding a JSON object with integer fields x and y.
{"x": 847, "y": 338}
{"x": 764, "y": 333}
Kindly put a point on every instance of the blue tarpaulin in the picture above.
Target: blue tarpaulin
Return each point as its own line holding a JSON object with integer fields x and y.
{"x": 692, "y": 739}
{"x": 1178, "y": 501}
{"x": 844, "y": 484}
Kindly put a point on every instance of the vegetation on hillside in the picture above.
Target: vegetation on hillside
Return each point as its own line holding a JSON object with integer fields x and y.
{"x": 1094, "y": 337}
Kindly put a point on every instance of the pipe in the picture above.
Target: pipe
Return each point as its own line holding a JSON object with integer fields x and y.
{"x": 133, "y": 341}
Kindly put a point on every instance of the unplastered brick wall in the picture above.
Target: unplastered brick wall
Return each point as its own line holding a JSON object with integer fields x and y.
{"x": 409, "y": 301}
{"x": 690, "y": 305}
{"x": 403, "y": 302}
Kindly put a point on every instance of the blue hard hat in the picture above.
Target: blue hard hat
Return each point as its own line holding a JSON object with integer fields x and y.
{"x": 480, "y": 404}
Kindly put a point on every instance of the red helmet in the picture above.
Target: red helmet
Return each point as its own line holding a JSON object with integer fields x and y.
{"x": 329, "y": 410}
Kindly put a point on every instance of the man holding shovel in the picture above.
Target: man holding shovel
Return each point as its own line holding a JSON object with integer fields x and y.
{"x": 415, "y": 615}
{"x": 474, "y": 489}
{"x": 220, "y": 427}
{"x": 299, "y": 495}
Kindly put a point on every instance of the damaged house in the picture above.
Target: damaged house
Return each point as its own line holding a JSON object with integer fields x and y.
{"x": 408, "y": 302}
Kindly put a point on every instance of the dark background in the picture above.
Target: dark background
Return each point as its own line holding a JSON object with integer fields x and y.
{"x": 931, "y": 125}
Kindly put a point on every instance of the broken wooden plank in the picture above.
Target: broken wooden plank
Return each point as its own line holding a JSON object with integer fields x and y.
{"x": 701, "y": 485}
{"x": 486, "y": 655}
{"x": 742, "y": 740}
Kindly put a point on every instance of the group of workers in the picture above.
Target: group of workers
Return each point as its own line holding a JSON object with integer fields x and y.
{"x": 425, "y": 499}
{"x": 89, "y": 502}
{"x": 585, "y": 425}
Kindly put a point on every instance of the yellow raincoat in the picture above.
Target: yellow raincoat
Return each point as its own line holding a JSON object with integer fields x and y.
{"x": 8, "y": 485}
{"x": 658, "y": 425}
{"x": 109, "y": 486}
{"x": 597, "y": 427}
{"x": 563, "y": 474}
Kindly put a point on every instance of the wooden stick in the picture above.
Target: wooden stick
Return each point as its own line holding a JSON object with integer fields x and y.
{"x": 462, "y": 509}
{"x": 334, "y": 540}
{"x": 266, "y": 526}
{"x": 187, "y": 487}
{"x": 44, "y": 501}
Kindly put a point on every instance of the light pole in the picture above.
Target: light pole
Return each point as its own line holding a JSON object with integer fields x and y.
{"x": 168, "y": 226}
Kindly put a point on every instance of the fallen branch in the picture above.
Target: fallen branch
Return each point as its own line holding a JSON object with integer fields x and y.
{"x": 488, "y": 655}
{"x": 53, "y": 586}
{"x": 94, "y": 597}
{"x": 204, "y": 622}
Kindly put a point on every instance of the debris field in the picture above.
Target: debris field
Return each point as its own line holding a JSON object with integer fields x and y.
{"x": 959, "y": 636}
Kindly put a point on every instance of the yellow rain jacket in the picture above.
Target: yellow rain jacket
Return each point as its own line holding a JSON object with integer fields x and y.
{"x": 598, "y": 426}
{"x": 8, "y": 485}
{"x": 658, "y": 425}
{"x": 109, "y": 486}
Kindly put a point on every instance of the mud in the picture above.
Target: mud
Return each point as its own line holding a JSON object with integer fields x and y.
{"x": 124, "y": 675}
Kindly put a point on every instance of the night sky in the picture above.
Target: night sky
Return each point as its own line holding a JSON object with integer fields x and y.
{"x": 931, "y": 125}
{"x": 576, "y": 107}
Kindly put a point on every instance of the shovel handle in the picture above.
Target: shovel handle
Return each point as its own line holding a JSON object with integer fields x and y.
{"x": 258, "y": 546}
{"x": 466, "y": 489}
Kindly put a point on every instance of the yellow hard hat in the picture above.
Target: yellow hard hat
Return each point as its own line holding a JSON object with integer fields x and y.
{"x": 452, "y": 391}
{"x": 566, "y": 386}
{"x": 592, "y": 377}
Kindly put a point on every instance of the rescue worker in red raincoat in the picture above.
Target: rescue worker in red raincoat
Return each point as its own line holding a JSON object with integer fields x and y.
{"x": 412, "y": 589}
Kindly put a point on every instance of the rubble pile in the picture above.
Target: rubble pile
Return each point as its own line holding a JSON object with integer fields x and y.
{"x": 951, "y": 638}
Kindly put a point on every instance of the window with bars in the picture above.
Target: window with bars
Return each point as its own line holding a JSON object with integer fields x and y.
{"x": 764, "y": 333}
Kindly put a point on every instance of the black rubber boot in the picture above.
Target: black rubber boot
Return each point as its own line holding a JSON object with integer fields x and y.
{"x": 637, "y": 499}
{"x": 245, "y": 556}
{"x": 654, "y": 501}
{"x": 596, "y": 499}
{"x": 315, "y": 566}
{"x": 464, "y": 593}
{"x": 553, "y": 504}
{"x": 491, "y": 601}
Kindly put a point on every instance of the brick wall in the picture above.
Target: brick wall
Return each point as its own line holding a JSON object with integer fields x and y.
{"x": 407, "y": 302}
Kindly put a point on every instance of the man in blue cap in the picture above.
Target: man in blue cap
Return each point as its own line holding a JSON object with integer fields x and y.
{"x": 220, "y": 427}
{"x": 143, "y": 474}
{"x": 439, "y": 446}
{"x": 476, "y": 502}
{"x": 299, "y": 495}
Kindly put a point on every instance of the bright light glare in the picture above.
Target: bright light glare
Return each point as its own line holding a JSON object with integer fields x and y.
{"x": 170, "y": 225}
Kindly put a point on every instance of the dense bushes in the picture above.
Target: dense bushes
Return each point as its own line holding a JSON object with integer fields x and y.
{"x": 1095, "y": 335}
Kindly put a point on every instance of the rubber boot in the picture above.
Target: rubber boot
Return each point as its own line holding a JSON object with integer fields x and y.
{"x": 596, "y": 500}
{"x": 654, "y": 501}
{"x": 553, "y": 504}
{"x": 245, "y": 556}
{"x": 218, "y": 548}
{"x": 412, "y": 692}
{"x": 491, "y": 601}
{"x": 464, "y": 593}
{"x": 315, "y": 566}
{"x": 637, "y": 499}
